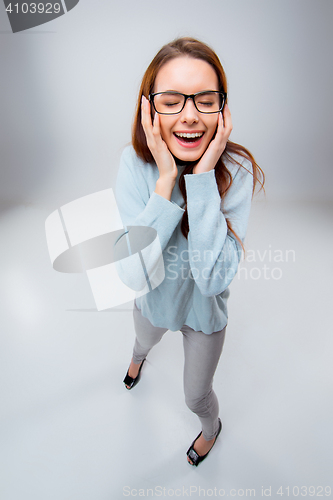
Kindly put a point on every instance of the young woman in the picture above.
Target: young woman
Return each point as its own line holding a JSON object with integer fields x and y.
{"x": 184, "y": 178}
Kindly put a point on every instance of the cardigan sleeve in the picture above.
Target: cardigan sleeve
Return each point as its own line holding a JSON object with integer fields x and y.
{"x": 214, "y": 252}
{"x": 138, "y": 207}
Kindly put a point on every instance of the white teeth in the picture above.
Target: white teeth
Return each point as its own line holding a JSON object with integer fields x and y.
{"x": 189, "y": 136}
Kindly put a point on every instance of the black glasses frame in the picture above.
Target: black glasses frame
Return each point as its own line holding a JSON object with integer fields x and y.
{"x": 189, "y": 96}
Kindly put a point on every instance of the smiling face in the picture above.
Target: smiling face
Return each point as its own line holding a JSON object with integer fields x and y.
{"x": 188, "y": 76}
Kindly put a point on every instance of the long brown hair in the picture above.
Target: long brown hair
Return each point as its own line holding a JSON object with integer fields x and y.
{"x": 192, "y": 48}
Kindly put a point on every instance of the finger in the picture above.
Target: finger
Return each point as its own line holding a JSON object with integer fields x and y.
{"x": 156, "y": 125}
{"x": 220, "y": 127}
{"x": 145, "y": 116}
{"x": 227, "y": 119}
{"x": 144, "y": 105}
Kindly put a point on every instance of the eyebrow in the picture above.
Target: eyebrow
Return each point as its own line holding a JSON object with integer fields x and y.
{"x": 178, "y": 92}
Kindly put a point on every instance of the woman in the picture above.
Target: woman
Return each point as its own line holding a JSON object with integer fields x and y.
{"x": 185, "y": 179}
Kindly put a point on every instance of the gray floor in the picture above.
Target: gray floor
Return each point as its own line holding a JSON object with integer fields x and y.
{"x": 69, "y": 428}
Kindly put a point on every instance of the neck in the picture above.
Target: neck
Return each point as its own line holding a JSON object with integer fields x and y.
{"x": 182, "y": 163}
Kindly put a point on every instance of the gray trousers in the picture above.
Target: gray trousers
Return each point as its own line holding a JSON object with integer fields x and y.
{"x": 202, "y": 353}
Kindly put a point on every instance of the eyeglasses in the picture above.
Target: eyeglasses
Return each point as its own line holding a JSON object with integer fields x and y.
{"x": 172, "y": 103}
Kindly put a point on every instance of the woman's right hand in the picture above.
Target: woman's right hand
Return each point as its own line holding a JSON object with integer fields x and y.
{"x": 164, "y": 160}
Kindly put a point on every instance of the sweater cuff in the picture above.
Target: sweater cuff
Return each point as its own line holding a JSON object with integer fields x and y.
{"x": 205, "y": 182}
{"x": 161, "y": 202}
{"x": 162, "y": 212}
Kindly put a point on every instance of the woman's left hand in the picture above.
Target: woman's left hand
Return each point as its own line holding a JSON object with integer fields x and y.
{"x": 217, "y": 145}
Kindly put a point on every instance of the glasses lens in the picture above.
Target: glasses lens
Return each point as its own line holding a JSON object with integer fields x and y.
{"x": 210, "y": 102}
{"x": 168, "y": 104}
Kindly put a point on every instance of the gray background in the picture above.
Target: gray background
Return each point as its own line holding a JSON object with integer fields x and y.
{"x": 69, "y": 88}
{"x": 69, "y": 429}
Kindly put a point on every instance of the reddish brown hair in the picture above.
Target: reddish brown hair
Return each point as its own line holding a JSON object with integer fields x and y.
{"x": 191, "y": 47}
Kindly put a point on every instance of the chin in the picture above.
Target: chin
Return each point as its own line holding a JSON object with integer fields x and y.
{"x": 187, "y": 156}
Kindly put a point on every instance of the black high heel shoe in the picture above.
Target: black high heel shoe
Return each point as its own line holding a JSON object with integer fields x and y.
{"x": 192, "y": 454}
{"x": 131, "y": 382}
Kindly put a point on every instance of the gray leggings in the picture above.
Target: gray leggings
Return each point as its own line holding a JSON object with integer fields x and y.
{"x": 202, "y": 353}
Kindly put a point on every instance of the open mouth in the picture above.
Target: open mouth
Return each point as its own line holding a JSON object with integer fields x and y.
{"x": 189, "y": 139}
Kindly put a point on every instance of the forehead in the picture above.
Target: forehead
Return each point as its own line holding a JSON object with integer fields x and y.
{"x": 186, "y": 75}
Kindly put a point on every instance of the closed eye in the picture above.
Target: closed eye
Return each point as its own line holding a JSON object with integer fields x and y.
{"x": 206, "y": 103}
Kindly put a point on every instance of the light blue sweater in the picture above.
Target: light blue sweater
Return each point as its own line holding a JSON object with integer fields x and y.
{"x": 199, "y": 269}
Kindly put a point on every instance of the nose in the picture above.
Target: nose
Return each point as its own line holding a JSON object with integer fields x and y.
{"x": 189, "y": 113}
